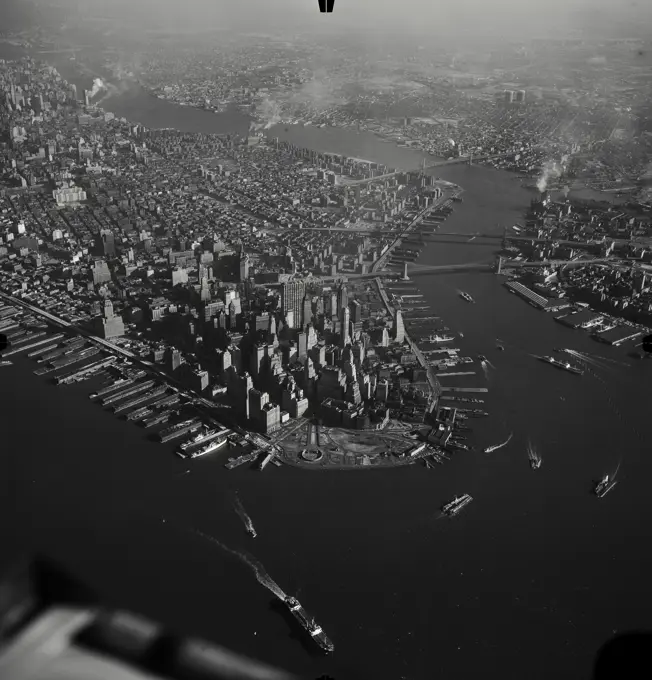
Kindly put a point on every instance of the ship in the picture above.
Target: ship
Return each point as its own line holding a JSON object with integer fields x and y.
{"x": 563, "y": 365}
{"x": 466, "y": 296}
{"x": 6, "y": 363}
{"x": 495, "y": 447}
{"x": 198, "y": 439}
{"x": 209, "y": 447}
{"x": 308, "y": 624}
{"x": 249, "y": 527}
{"x": 534, "y": 457}
{"x": 440, "y": 338}
{"x": 482, "y": 357}
{"x": 604, "y": 486}
{"x": 455, "y": 506}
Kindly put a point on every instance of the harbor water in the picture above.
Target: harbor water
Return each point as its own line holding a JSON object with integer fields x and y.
{"x": 528, "y": 581}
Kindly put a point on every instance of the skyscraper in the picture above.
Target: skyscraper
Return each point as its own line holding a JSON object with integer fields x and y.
{"x": 244, "y": 266}
{"x": 342, "y": 297}
{"x": 292, "y": 296}
{"x": 345, "y": 317}
{"x": 399, "y": 328}
{"x": 307, "y": 311}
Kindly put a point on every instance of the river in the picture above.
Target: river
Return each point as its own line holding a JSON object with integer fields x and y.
{"x": 528, "y": 581}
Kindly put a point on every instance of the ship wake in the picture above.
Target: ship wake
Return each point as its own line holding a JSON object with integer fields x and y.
{"x": 242, "y": 513}
{"x": 261, "y": 574}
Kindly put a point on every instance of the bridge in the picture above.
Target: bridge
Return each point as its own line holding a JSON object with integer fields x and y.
{"x": 439, "y": 164}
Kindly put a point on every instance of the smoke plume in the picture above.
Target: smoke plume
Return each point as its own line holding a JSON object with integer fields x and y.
{"x": 270, "y": 112}
{"x": 550, "y": 170}
{"x": 97, "y": 86}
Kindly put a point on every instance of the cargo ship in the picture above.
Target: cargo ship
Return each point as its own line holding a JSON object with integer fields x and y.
{"x": 209, "y": 447}
{"x": 466, "y": 296}
{"x": 308, "y": 624}
{"x": 178, "y": 430}
{"x": 563, "y": 365}
{"x": 455, "y": 506}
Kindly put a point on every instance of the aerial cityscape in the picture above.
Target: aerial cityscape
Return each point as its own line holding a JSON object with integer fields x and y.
{"x": 245, "y": 266}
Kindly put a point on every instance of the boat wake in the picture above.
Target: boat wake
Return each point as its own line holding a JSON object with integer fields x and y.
{"x": 242, "y": 513}
{"x": 588, "y": 363}
{"x": 261, "y": 575}
{"x": 495, "y": 447}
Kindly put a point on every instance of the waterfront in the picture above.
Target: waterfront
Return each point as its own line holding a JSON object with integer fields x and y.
{"x": 539, "y": 561}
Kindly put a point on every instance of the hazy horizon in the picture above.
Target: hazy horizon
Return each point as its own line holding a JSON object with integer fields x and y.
{"x": 507, "y": 18}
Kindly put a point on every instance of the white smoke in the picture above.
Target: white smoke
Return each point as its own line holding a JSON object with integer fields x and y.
{"x": 270, "y": 112}
{"x": 550, "y": 170}
{"x": 97, "y": 86}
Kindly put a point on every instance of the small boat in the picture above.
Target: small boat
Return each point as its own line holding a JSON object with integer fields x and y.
{"x": 495, "y": 447}
{"x": 534, "y": 457}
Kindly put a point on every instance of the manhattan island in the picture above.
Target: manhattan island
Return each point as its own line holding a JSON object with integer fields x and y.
{"x": 254, "y": 291}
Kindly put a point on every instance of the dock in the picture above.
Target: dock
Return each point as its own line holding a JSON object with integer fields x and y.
{"x": 464, "y": 389}
{"x": 450, "y": 375}
{"x": 32, "y": 345}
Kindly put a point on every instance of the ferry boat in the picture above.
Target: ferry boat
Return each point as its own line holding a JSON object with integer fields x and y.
{"x": 466, "y": 296}
{"x": 604, "y": 486}
{"x": 563, "y": 365}
{"x": 455, "y": 506}
{"x": 308, "y": 624}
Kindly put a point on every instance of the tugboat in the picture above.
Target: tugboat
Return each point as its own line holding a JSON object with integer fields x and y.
{"x": 482, "y": 357}
{"x": 604, "y": 486}
{"x": 466, "y": 296}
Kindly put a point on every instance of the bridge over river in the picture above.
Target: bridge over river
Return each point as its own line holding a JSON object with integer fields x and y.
{"x": 431, "y": 166}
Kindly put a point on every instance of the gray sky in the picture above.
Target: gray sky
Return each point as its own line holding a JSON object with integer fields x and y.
{"x": 502, "y": 17}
